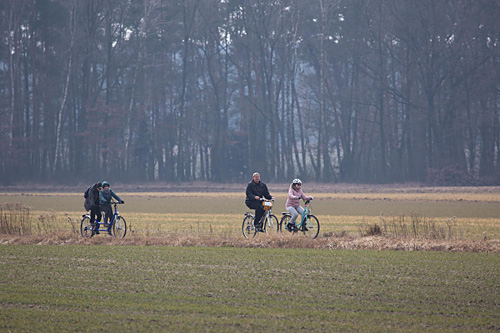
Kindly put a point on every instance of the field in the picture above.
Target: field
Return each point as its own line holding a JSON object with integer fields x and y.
{"x": 149, "y": 288}
{"x": 186, "y": 267}
{"x": 219, "y": 214}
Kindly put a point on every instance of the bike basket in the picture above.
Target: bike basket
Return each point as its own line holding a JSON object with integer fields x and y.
{"x": 267, "y": 205}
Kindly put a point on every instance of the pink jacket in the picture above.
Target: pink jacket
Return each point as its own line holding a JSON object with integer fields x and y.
{"x": 292, "y": 194}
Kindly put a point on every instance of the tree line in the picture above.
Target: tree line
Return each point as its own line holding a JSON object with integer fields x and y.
{"x": 182, "y": 90}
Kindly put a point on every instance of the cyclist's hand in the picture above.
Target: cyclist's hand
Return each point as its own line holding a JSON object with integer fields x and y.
{"x": 122, "y": 202}
{"x": 257, "y": 198}
{"x": 296, "y": 197}
{"x": 272, "y": 198}
{"x": 311, "y": 198}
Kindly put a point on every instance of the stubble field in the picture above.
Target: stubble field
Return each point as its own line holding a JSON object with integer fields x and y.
{"x": 186, "y": 267}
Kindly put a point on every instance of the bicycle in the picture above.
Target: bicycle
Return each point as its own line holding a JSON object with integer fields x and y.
{"x": 268, "y": 220}
{"x": 309, "y": 224}
{"x": 117, "y": 223}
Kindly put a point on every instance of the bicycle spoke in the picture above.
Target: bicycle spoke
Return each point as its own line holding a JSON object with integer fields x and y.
{"x": 86, "y": 227}
{"x": 247, "y": 226}
{"x": 120, "y": 227}
{"x": 310, "y": 227}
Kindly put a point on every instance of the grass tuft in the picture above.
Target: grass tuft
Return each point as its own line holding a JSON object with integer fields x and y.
{"x": 15, "y": 219}
{"x": 415, "y": 226}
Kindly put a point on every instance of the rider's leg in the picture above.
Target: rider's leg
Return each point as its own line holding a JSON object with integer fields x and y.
{"x": 295, "y": 212}
{"x": 259, "y": 212}
{"x": 95, "y": 214}
{"x": 108, "y": 214}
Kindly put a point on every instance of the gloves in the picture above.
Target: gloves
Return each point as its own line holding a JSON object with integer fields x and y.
{"x": 122, "y": 202}
{"x": 311, "y": 198}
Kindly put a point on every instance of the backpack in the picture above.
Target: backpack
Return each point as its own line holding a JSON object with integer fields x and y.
{"x": 86, "y": 193}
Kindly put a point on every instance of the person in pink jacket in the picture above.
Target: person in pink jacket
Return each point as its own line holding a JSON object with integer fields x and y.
{"x": 293, "y": 202}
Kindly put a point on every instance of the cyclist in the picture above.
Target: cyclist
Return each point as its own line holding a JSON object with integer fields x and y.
{"x": 293, "y": 202}
{"x": 256, "y": 190}
{"x": 105, "y": 197}
{"x": 92, "y": 204}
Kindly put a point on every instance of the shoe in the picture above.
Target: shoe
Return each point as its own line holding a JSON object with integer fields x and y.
{"x": 259, "y": 229}
{"x": 97, "y": 232}
{"x": 305, "y": 228}
{"x": 109, "y": 232}
{"x": 291, "y": 227}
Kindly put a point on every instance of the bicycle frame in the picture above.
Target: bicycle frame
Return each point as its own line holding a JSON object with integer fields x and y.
{"x": 305, "y": 214}
{"x": 113, "y": 218}
{"x": 267, "y": 218}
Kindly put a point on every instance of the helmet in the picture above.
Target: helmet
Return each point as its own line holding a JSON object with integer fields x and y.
{"x": 105, "y": 183}
{"x": 296, "y": 181}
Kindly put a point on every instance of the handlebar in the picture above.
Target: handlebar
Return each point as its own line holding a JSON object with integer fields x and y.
{"x": 306, "y": 202}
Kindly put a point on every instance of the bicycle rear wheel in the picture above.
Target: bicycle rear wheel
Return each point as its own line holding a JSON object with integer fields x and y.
{"x": 247, "y": 226}
{"x": 86, "y": 227}
{"x": 119, "y": 227}
{"x": 283, "y": 223}
{"x": 310, "y": 227}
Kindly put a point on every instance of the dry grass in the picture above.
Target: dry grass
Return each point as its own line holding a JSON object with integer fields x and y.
{"x": 415, "y": 226}
{"x": 18, "y": 219}
{"x": 224, "y": 230}
{"x": 271, "y": 241}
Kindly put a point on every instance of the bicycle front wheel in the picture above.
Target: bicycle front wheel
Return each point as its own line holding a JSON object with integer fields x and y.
{"x": 86, "y": 227}
{"x": 120, "y": 227}
{"x": 310, "y": 228}
{"x": 273, "y": 222}
{"x": 247, "y": 226}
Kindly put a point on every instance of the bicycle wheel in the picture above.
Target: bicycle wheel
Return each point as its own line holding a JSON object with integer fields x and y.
{"x": 283, "y": 223}
{"x": 247, "y": 226}
{"x": 86, "y": 227}
{"x": 273, "y": 222}
{"x": 119, "y": 227}
{"x": 310, "y": 228}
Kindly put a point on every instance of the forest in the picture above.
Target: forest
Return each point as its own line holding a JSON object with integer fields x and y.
{"x": 353, "y": 91}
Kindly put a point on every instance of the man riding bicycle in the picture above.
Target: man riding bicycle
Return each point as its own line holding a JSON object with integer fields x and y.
{"x": 256, "y": 190}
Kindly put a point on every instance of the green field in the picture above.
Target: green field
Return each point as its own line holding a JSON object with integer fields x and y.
{"x": 129, "y": 288}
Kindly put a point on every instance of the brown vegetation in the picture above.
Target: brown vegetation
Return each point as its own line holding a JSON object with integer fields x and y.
{"x": 330, "y": 242}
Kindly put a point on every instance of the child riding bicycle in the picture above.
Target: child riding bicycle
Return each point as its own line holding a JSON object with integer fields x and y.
{"x": 105, "y": 197}
{"x": 293, "y": 203}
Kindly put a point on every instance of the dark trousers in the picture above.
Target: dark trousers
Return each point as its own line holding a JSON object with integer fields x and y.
{"x": 259, "y": 211}
{"x": 95, "y": 212}
{"x": 108, "y": 213}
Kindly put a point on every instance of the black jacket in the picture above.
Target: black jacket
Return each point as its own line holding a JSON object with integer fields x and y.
{"x": 259, "y": 190}
{"x": 93, "y": 198}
